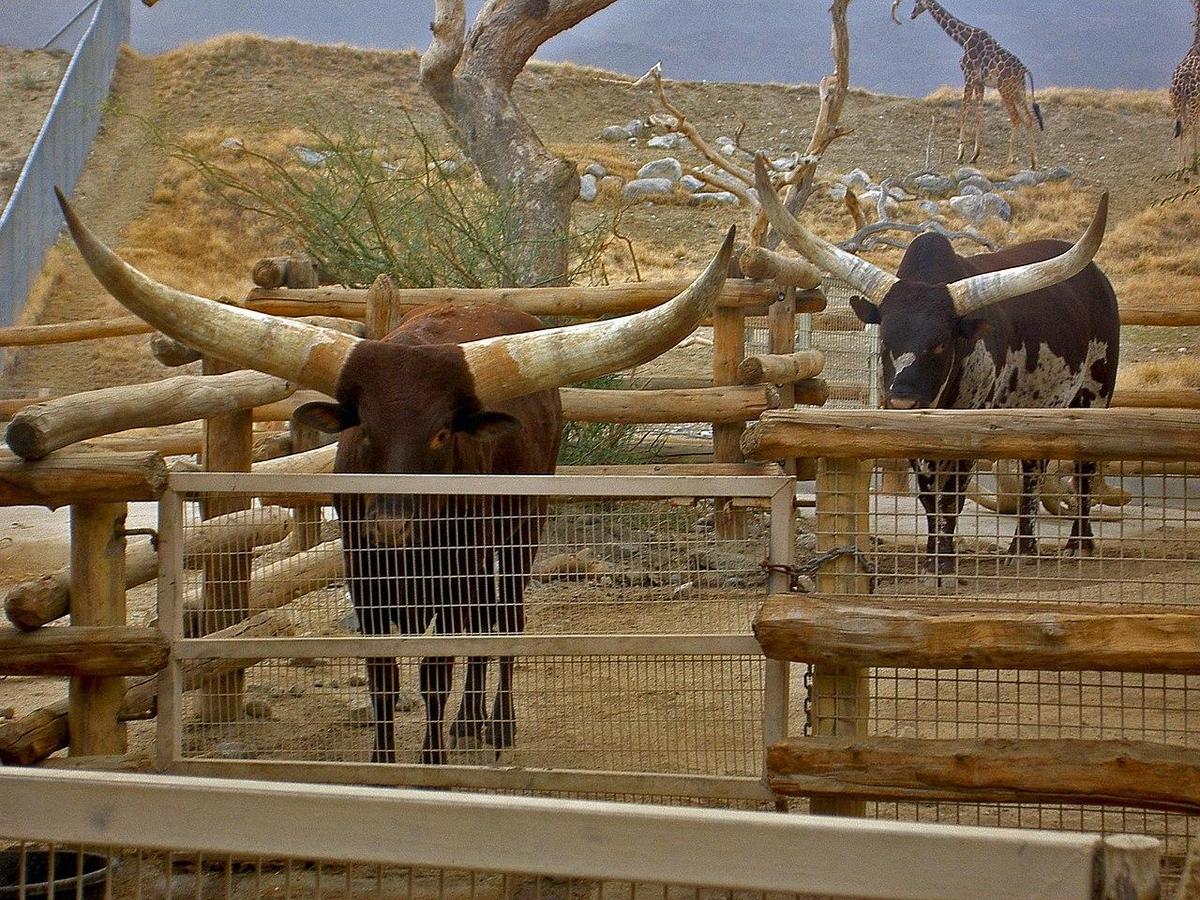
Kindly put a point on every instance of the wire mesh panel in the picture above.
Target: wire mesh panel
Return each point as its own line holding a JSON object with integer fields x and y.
{"x": 549, "y": 624}
{"x": 1010, "y": 536}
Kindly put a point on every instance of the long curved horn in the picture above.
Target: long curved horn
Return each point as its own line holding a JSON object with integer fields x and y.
{"x": 517, "y": 364}
{"x": 873, "y": 281}
{"x": 302, "y": 353}
{"x": 978, "y": 291}
{"x": 895, "y": 5}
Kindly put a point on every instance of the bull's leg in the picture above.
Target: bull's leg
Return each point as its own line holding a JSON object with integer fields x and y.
{"x": 1082, "y": 542}
{"x": 951, "y": 496}
{"x": 466, "y": 730}
{"x": 436, "y": 673}
{"x": 516, "y": 561}
{"x": 383, "y": 683}
{"x": 927, "y": 495}
{"x": 1024, "y": 542}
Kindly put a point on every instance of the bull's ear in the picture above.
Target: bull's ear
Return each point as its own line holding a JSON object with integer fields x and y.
{"x": 865, "y": 310}
{"x": 486, "y": 424}
{"x": 328, "y": 418}
{"x": 972, "y": 329}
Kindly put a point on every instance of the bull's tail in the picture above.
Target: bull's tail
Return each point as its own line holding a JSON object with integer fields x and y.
{"x": 1037, "y": 110}
{"x": 1179, "y": 128}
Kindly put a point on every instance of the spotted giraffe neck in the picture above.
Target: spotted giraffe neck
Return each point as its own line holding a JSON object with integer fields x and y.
{"x": 957, "y": 29}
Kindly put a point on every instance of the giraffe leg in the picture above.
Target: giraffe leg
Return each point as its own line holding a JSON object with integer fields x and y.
{"x": 1016, "y": 108}
{"x": 968, "y": 89}
{"x": 978, "y": 123}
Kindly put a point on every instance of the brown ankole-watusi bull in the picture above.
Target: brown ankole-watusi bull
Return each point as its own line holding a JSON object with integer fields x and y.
{"x": 1033, "y": 326}
{"x": 453, "y": 390}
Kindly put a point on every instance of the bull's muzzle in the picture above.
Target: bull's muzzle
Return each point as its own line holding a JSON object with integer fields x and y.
{"x": 901, "y": 403}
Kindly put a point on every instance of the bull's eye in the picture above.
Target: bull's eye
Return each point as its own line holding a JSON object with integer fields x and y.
{"x": 440, "y": 440}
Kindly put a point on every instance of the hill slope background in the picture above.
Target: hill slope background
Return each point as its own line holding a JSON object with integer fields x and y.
{"x": 159, "y": 212}
{"x": 1096, "y": 43}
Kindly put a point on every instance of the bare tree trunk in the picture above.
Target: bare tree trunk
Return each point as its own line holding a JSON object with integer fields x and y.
{"x": 470, "y": 76}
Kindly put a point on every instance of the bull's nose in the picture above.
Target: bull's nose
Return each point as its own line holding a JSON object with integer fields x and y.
{"x": 901, "y": 403}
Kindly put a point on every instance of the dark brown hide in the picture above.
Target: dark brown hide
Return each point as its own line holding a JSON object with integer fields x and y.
{"x": 453, "y": 564}
{"x": 1055, "y": 347}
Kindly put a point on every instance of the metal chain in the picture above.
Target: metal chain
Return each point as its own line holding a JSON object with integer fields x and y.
{"x": 808, "y": 717}
{"x": 812, "y": 566}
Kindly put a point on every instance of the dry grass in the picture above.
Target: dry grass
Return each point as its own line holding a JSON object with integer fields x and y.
{"x": 1141, "y": 101}
{"x": 1168, "y": 373}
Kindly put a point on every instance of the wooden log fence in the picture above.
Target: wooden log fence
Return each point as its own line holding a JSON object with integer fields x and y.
{"x": 843, "y": 631}
{"x": 71, "y": 477}
{"x": 39, "y": 430}
{"x": 32, "y": 604}
{"x": 753, "y": 297}
{"x": 1075, "y": 434}
{"x": 96, "y": 651}
{"x": 35, "y": 736}
{"x": 945, "y": 634}
{"x": 989, "y": 770}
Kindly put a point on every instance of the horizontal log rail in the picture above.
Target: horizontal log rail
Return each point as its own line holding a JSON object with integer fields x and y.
{"x": 32, "y": 604}
{"x": 735, "y": 403}
{"x": 92, "y": 651}
{"x": 1148, "y": 398}
{"x": 69, "y": 332}
{"x": 1094, "y": 434}
{"x": 1182, "y": 312}
{"x": 40, "y": 429}
{"x": 574, "y": 302}
{"x": 75, "y": 476}
{"x": 35, "y": 736}
{"x": 989, "y": 770}
{"x": 781, "y": 368}
{"x": 948, "y": 634}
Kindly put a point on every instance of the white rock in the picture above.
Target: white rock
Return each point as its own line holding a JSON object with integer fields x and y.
{"x": 447, "y": 167}
{"x": 596, "y": 170}
{"x": 691, "y": 183}
{"x": 643, "y": 188}
{"x": 314, "y": 159}
{"x": 962, "y": 173}
{"x": 668, "y": 167}
{"x": 615, "y": 133}
{"x": 857, "y": 180}
{"x": 721, "y": 198}
{"x": 670, "y": 141}
{"x": 232, "y": 143}
{"x": 588, "y": 189}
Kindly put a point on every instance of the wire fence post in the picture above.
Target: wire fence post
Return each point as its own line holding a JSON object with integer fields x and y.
{"x": 31, "y": 221}
{"x": 841, "y": 697}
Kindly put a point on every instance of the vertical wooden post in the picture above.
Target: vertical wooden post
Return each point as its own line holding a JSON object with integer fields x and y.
{"x": 168, "y": 730}
{"x": 306, "y": 520}
{"x": 729, "y": 349}
{"x": 379, "y": 316}
{"x": 97, "y": 598}
{"x": 228, "y": 447}
{"x": 841, "y": 697}
{"x": 777, "y": 675}
{"x": 806, "y": 467}
{"x": 781, "y": 320}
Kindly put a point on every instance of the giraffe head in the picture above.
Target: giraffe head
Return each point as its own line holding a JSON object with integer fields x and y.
{"x": 919, "y": 7}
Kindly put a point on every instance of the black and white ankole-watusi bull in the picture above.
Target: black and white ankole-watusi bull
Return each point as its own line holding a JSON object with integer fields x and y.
{"x": 453, "y": 390}
{"x": 1032, "y": 326}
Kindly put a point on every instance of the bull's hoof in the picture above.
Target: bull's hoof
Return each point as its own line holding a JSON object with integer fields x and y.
{"x": 465, "y": 735}
{"x": 1080, "y": 548}
{"x": 501, "y": 735}
{"x": 1023, "y": 546}
{"x": 464, "y": 742}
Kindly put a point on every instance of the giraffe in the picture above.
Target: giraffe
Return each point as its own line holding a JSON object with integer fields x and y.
{"x": 1185, "y": 101}
{"x": 986, "y": 64}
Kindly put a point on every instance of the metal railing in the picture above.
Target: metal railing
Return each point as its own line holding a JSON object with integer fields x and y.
{"x": 31, "y": 221}
{"x": 150, "y": 836}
